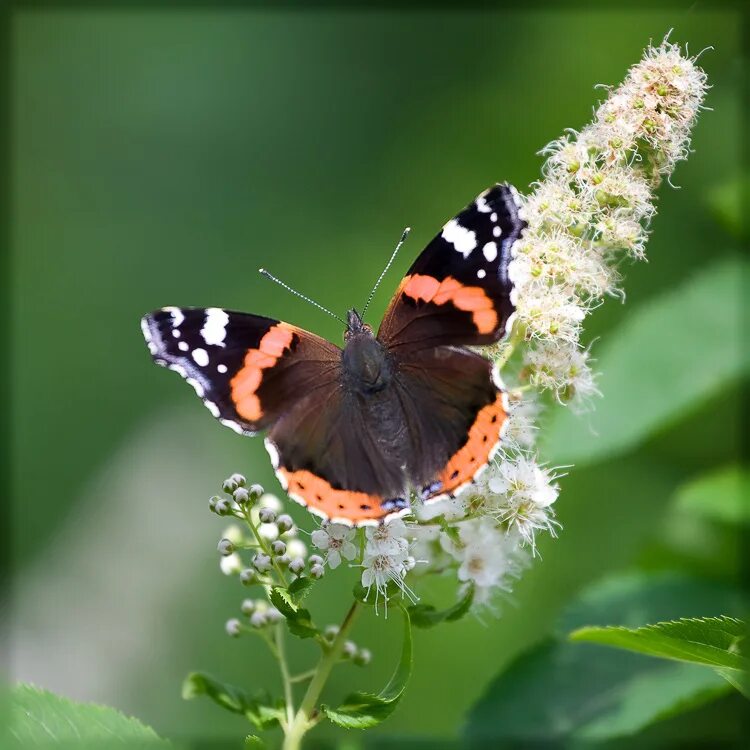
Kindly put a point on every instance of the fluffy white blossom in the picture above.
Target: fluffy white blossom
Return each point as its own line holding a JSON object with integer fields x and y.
{"x": 379, "y": 569}
{"x": 488, "y": 556}
{"x": 561, "y": 368}
{"x": 336, "y": 540}
{"x": 388, "y": 538}
{"x": 520, "y": 427}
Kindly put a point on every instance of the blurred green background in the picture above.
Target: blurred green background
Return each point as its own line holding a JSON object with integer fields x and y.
{"x": 159, "y": 157}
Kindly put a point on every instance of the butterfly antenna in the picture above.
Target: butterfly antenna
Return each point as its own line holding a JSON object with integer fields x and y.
{"x": 263, "y": 272}
{"x": 385, "y": 270}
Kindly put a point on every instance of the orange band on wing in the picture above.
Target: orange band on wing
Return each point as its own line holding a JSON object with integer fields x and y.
{"x": 472, "y": 299}
{"x": 246, "y": 382}
{"x": 318, "y": 495}
{"x": 476, "y": 451}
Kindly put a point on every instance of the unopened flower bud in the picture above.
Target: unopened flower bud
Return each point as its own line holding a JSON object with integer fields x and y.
{"x": 258, "y": 619}
{"x": 241, "y": 496}
{"x": 248, "y": 606}
{"x": 238, "y": 479}
{"x": 229, "y": 485}
{"x": 350, "y": 648}
{"x": 331, "y": 632}
{"x": 261, "y": 562}
{"x": 267, "y": 515}
{"x": 212, "y": 503}
{"x": 225, "y": 547}
{"x": 362, "y": 658}
{"x": 222, "y": 508}
{"x": 278, "y": 547}
{"x": 297, "y": 565}
{"x": 233, "y": 627}
{"x": 248, "y": 576}
{"x": 274, "y": 616}
{"x": 256, "y": 491}
{"x": 317, "y": 571}
{"x": 284, "y": 522}
{"x": 283, "y": 560}
{"x": 316, "y": 560}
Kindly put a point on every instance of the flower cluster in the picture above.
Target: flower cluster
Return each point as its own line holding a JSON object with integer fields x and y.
{"x": 592, "y": 208}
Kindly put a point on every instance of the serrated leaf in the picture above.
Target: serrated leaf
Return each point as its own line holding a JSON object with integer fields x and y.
{"x": 39, "y": 718}
{"x": 282, "y": 600}
{"x": 364, "y": 710}
{"x": 711, "y": 641}
{"x": 559, "y": 691}
{"x": 253, "y": 742}
{"x": 302, "y": 625}
{"x": 722, "y": 495}
{"x": 653, "y": 370}
{"x": 232, "y": 698}
{"x": 426, "y": 616}
{"x": 300, "y": 587}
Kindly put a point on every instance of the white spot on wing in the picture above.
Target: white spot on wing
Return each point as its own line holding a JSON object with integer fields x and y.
{"x": 233, "y": 426}
{"x": 272, "y": 452}
{"x": 196, "y": 385}
{"x": 177, "y": 316}
{"x": 464, "y": 240}
{"x": 215, "y": 326}
{"x": 496, "y": 231}
{"x": 175, "y": 333}
{"x": 482, "y": 205}
{"x": 211, "y": 406}
{"x": 200, "y": 356}
{"x": 183, "y": 346}
{"x": 493, "y": 217}
{"x": 490, "y": 251}
{"x": 481, "y": 273}
{"x": 221, "y": 368}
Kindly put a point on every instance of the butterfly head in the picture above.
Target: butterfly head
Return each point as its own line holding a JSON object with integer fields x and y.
{"x": 355, "y": 326}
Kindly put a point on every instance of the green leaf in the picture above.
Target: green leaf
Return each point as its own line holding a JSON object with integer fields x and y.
{"x": 723, "y": 495}
{"x": 298, "y": 620}
{"x": 364, "y": 710}
{"x": 667, "y": 358}
{"x": 283, "y": 601}
{"x": 711, "y": 641}
{"x": 302, "y": 625}
{"x": 256, "y": 709}
{"x": 559, "y": 691}
{"x": 426, "y": 616}
{"x": 253, "y": 742}
{"x": 39, "y": 718}
{"x": 300, "y": 587}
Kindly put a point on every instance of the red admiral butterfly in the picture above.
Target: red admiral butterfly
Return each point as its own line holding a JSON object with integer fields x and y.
{"x": 352, "y": 430}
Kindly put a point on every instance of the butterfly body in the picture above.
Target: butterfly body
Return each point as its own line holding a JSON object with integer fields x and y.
{"x": 353, "y": 431}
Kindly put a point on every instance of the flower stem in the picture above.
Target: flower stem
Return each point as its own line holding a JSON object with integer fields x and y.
{"x": 305, "y": 718}
{"x": 285, "y": 676}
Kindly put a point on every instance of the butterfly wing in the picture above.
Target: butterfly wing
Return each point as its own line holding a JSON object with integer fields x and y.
{"x": 256, "y": 373}
{"x": 454, "y": 414}
{"x": 457, "y": 292}
{"x": 248, "y": 370}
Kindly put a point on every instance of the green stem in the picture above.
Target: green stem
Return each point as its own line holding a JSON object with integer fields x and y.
{"x": 263, "y": 544}
{"x": 305, "y": 717}
{"x": 285, "y": 676}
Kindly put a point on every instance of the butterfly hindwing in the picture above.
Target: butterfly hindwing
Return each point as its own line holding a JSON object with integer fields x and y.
{"x": 457, "y": 292}
{"x": 247, "y": 369}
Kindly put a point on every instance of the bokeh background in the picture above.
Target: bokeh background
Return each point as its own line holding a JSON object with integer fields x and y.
{"x": 159, "y": 157}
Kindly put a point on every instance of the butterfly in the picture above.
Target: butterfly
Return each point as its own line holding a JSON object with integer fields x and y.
{"x": 353, "y": 431}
